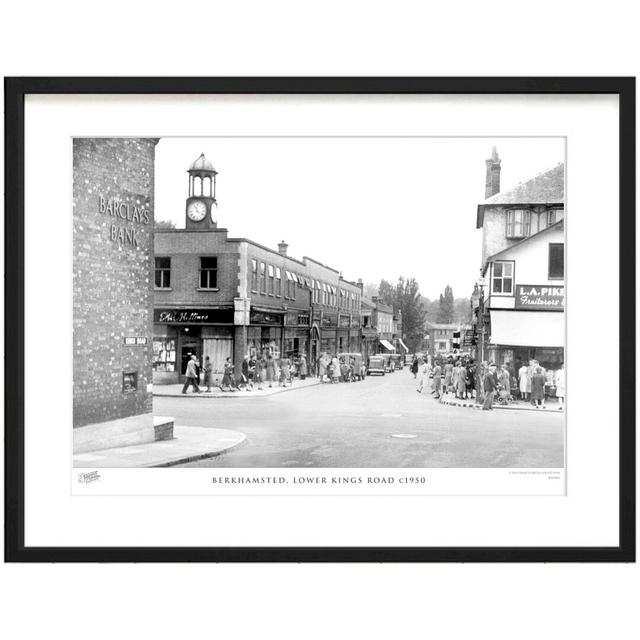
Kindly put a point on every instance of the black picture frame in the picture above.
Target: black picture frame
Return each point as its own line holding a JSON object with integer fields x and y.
{"x": 15, "y": 91}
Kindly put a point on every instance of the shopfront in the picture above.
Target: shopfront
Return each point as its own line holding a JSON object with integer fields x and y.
{"x": 265, "y": 332}
{"x": 180, "y": 333}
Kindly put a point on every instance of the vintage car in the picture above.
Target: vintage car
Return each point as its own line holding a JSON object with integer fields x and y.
{"x": 397, "y": 360}
{"x": 376, "y": 364}
{"x": 359, "y": 369}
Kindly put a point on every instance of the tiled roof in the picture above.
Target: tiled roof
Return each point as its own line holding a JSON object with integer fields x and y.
{"x": 545, "y": 188}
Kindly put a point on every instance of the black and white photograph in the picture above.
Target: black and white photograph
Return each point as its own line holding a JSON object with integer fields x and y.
{"x": 319, "y": 302}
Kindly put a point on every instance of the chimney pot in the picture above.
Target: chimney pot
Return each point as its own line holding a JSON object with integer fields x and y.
{"x": 492, "y": 185}
{"x": 282, "y": 248}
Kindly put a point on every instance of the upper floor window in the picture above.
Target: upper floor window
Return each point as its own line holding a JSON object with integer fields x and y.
{"x": 263, "y": 277}
{"x": 163, "y": 273}
{"x": 208, "y": 273}
{"x": 502, "y": 281}
{"x": 518, "y": 223}
{"x": 272, "y": 278}
{"x": 553, "y": 216}
{"x": 556, "y": 260}
{"x": 254, "y": 275}
{"x": 278, "y": 281}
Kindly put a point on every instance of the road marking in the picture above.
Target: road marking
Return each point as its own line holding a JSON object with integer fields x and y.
{"x": 403, "y": 435}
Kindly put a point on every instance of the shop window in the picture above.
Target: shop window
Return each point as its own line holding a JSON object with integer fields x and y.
{"x": 254, "y": 276}
{"x": 556, "y": 261}
{"x": 518, "y": 223}
{"x": 163, "y": 273}
{"x": 263, "y": 277}
{"x": 502, "y": 282}
{"x": 208, "y": 273}
{"x": 129, "y": 381}
{"x": 272, "y": 280}
{"x": 278, "y": 282}
{"x": 164, "y": 354}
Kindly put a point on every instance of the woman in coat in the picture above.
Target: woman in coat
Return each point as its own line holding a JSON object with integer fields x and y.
{"x": 448, "y": 374}
{"x": 208, "y": 372}
{"x": 335, "y": 370}
{"x": 285, "y": 371}
{"x": 322, "y": 366}
{"x": 259, "y": 372}
{"x": 437, "y": 380}
{"x": 271, "y": 370}
{"x": 559, "y": 380}
{"x": 227, "y": 378}
{"x": 303, "y": 368}
{"x": 522, "y": 381}
{"x": 537, "y": 388}
{"x": 461, "y": 381}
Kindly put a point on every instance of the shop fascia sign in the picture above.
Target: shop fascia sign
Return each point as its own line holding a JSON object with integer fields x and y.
{"x": 192, "y": 316}
{"x": 540, "y": 297}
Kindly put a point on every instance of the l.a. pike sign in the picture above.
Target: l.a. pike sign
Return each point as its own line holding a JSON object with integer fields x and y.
{"x": 539, "y": 297}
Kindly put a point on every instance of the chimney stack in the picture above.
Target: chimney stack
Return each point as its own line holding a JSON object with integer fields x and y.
{"x": 492, "y": 185}
{"x": 282, "y": 248}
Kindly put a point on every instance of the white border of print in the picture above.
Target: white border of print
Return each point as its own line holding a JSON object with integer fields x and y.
{"x": 586, "y": 516}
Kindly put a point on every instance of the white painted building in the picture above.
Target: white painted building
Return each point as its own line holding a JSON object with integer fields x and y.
{"x": 523, "y": 269}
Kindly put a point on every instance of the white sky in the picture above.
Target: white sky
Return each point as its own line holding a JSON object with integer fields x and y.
{"x": 371, "y": 207}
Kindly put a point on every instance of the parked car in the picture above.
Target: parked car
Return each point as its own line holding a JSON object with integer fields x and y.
{"x": 397, "y": 360}
{"x": 376, "y": 364}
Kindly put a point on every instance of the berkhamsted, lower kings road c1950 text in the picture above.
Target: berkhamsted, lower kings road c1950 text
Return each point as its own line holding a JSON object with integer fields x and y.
{"x": 123, "y": 235}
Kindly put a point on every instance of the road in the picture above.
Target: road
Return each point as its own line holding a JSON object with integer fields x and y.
{"x": 357, "y": 424}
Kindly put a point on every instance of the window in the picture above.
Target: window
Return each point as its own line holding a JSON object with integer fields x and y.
{"x": 254, "y": 275}
{"x": 272, "y": 278}
{"x": 556, "y": 261}
{"x": 502, "y": 278}
{"x": 163, "y": 273}
{"x": 278, "y": 282}
{"x": 129, "y": 381}
{"x": 263, "y": 277}
{"x": 518, "y": 223}
{"x": 208, "y": 273}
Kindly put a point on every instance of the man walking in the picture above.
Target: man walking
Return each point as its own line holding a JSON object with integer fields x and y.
{"x": 489, "y": 388}
{"x": 192, "y": 376}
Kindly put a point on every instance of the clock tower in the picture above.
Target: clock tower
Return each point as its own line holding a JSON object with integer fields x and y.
{"x": 201, "y": 203}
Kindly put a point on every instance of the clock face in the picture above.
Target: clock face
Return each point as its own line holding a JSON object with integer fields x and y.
{"x": 197, "y": 210}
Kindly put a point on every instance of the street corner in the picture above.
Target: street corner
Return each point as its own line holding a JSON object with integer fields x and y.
{"x": 188, "y": 445}
{"x": 470, "y": 403}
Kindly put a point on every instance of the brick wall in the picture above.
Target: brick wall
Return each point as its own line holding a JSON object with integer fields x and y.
{"x": 185, "y": 249}
{"x": 112, "y": 275}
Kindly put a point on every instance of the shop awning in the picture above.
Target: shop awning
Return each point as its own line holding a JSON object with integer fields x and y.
{"x": 527, "y": 328}
{"x": 403, "y": 345}
{"x": 387, "y": 345}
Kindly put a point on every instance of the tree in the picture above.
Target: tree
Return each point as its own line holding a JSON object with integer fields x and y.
{"x": 164, "y": 224}
{"x": 386, "y": 293}
{"x": 445, "y": 308}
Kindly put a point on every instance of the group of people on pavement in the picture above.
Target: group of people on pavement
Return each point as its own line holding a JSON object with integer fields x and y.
{"x": 485, "y": 382}
{"x": 337, "y": 369}
{"x": 253, "y": 372}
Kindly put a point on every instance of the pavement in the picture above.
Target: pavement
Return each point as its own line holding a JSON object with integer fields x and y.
{"x": 175, "y": 390}
{"x": 188, "y": 444}
{"x": 516, "y": 405}
{"x": 379, "y": 422}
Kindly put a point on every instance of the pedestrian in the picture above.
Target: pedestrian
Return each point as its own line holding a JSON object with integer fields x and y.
{"x": 302, "y": 368}
{"x": 258, "y": 373}
{"x": 461, "y": 381}
{"x": 422, "y": 374}
{"x": 247, "y": 374}
{"x": 471, "y": 379}
{"x": 559, "y": 380}
{"x": 448, "y": 375}
{"x": 285, "y": 371}
{"x": 437, "y": 380}
{"x": 530, "y": 372}
{"x": 489, "y": 388}
{"x": 271, "y": 370}
{"x": 208, "y": 373}
{"x": 344, "y": 370}
{"x": 335, "y": 370}
{"x": 227, "y": 377}
{"x": 505, "y": 384}
{"x": 415, "y": 365}
{"x": 522, "y": 380}
{"x": 537, "y": 388}
{"x": 191, "y": 375}
{"x": 322, "y": 366}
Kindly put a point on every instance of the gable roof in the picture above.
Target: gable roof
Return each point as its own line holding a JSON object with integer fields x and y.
{"x": 545, "y": 188}
{"x": 558, "y": 225}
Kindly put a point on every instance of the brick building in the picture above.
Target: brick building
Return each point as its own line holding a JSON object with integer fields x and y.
{"x": 225, "y": 297}
{"x": 112, "y": 291}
